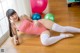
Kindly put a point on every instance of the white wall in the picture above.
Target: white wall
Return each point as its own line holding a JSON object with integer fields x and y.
{"x": 46, "y": 10}
{"x": 21, "y": 6}
{"x": 24, "y": 7}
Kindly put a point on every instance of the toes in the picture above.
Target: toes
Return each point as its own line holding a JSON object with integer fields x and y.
{"x": 66, "y": 35}
{"x": 69, "y": 35}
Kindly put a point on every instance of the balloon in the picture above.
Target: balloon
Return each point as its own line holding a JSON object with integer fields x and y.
{"x": 49, "y": 16}
{"x": 38, "y": 6}
{"x": 36, "y": 16}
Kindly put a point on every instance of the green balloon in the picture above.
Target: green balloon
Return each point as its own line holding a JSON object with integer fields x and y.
{"x": 49, "y": 16}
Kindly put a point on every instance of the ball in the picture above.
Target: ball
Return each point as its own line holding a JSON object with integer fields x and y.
{"x": 36, "y": 16}
{"x": 49, "y": 16}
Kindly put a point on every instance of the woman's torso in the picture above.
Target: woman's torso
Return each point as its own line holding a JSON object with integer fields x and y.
{"x": 28, "y": 27}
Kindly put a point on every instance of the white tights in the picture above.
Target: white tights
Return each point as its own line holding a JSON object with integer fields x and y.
{"x": 47, "y": 40}
{"x": 59, "y": 28}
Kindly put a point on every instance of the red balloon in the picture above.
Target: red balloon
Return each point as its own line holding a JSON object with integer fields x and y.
{"x": 38, "y": 6}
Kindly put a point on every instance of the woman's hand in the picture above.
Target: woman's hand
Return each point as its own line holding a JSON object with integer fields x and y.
{"x": 36, "y": 23}
{"x": 26, "y": 17}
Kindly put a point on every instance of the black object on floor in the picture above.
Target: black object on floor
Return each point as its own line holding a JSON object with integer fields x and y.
{"x": 69, "y": 5}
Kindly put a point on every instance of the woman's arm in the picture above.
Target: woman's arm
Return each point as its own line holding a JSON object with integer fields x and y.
{"x": 36, "y": 23}
{"x": 15, "y": 36}
{"x": 14, "y": 30}
{"x": 26, "y": 17}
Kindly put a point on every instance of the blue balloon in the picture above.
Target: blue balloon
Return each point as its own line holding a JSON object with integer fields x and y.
{"x": 36, "y": 16}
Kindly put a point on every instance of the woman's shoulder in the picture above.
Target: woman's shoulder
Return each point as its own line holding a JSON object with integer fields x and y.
{"x": 12, "y": 24}
{"x": 23, "y": 16}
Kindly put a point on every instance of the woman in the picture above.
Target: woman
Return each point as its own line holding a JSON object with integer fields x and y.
{"x": 41, "y": 27}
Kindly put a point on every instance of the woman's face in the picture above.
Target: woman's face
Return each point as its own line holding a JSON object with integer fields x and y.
{"x": 14, "y": 17}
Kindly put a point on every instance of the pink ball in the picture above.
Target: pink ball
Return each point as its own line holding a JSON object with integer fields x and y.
{"x": 38, "y": 6}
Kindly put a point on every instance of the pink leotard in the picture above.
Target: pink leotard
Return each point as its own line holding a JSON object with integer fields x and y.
{"x": 29, "y": 27}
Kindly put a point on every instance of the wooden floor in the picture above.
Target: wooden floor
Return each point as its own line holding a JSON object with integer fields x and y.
{"x": 64, "y": 16}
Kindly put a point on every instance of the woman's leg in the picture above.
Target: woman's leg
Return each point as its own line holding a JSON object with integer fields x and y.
{"x": 47, "y": 23}
{"x": 59, "y": 28}
{"x": 46, "y": 40}
{"x": 56, "y": 27}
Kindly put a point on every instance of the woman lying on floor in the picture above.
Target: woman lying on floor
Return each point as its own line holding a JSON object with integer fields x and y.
{"x": 41, "y": 27}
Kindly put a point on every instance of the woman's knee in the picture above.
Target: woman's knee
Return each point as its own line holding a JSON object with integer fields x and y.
{"x": 44, "y": 38}
{"x": 47, "y": 23}
{"x": 45, "y": 43}
{"x": 58, "y": 28}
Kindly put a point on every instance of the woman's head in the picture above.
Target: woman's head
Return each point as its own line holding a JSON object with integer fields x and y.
{"x": 12, "y": 15}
